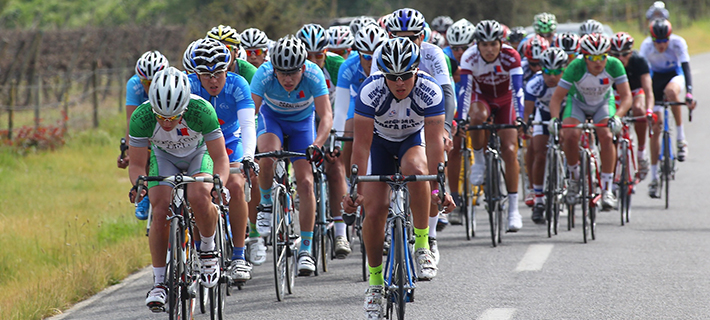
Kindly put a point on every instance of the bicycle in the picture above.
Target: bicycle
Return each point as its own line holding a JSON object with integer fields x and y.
{"x": 284, "y": 239}
{"x": 494, "y": 187}
{"x": 182, "y": 270}
{"x": 399, "y": 272}
{"x": 469, "y": 192}
{"x": 323, "y": 230}
{"x": 555, "y": 182}
{"x": 626, "y": 172}
{"x": 666, "y": 156}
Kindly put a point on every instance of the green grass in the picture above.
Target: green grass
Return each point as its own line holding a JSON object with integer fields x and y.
{"x": 66, "y": 227}
{"x": 696, "y": 35}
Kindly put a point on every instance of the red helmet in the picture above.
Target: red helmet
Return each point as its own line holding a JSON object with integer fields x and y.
{"x": 621, "y": 41}
{"x": 660, "y": 29}
{"x": 534, "y": 47}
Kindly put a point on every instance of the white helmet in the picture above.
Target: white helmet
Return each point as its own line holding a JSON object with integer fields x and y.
{"x": 442, "y": 23}
{"x": 591, "y": 26}
{"x": 340, "y": 38}
{"x": 360, "y": 22}
{"x": 254, "y": 38}
{"x": 406, "y": 19}
{"x": 210, "y": 55}
{"x": 187, "y": 58}
{"x": 313, "y": 36}
{"x": 461, "y": 33}
{"x": 289, "y": 53}
{"x": 169, "y": 93}
{"x": 150, "y": 63}
{"x": 369, "y": 38}
{"x": 595, "y": 44}
{"x": 489, "y": 30}
{"x": 437, "y": 39}
{"x": 398, "y": 55}
{"x": 553, "y": 58}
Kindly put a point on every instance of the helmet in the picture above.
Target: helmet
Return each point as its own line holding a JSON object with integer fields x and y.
{"x": 224, "y": 33}
{"x": 340, "y": 38}
{"x": 289, "y": 53}
{"x": 254, "y": 38}
{"x": 437, "y": 39}
{"x": 398, "y": 55}
{"x": 360, "y": 22}
{"x": 594, "y": 44}
{"x": 660, "y": 29}
{"x": 314, "y": 37}
{"x": 187, "y": 58}
{"x": 516, "y": 34}
{"x": 369, "y": 38}
{"x": 488, "y": 30}
{"x": 382, "y": 21}
{"x": 535, "y": 46}
{"x": 506, "y": 31}
{"x": 169, "y": 92}
{"x": 591, "y": 26}
{"x": 568, "y": 41}
{"x": 553, "y": 58}
{"x": 461, "y": 33}
{"x": 210, "y": 55}
{"x": 442, "y": 23}
{"x": 545, "y": 23}
{"x": 150, "y": 63}
{"x": 621, "y": 41}
{"x": 406, "y": 19}
{"x": 427, "y": 32}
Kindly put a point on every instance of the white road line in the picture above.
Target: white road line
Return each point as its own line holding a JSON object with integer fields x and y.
{"x": 497, "y": 314}
{"x": 534, "y": 258}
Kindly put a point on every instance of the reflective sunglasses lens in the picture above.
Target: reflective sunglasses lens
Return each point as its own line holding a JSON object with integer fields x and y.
{"x": 367, "y": 57}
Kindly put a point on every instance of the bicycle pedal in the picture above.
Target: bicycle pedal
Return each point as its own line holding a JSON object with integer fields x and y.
{"x": 156, "y": 307}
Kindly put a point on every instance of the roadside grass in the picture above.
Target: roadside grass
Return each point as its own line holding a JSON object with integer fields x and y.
{"x": 66, "y": 228}
{"x": 696, "y": 35}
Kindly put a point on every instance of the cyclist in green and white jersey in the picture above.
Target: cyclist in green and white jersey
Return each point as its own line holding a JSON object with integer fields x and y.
{"x": 589, "y": 84}
{"x": 185, "y": 136}
{"x": 230, "y": 38}
{"x": 340, "y": 41}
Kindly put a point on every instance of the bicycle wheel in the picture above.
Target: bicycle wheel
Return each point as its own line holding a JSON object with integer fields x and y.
{"x": 400, "y": 269}
{"x": 550, "y": 188}
{"x": 174, "y": 271}
{"x": 290, "y": 245}
{"x": 225, "y": 253}
{"x": 203, "y": 298}
{"x": 502, "y": 197}
{"x": 623, "y": 180}
{"x": 666, "y": 173}
{"x": 491, "y": 198}
{"x": 584, "y": 186}
{"x": 278, "y": 234}
{"x": 191, "y": 274}
{"x": 467, "y": 193}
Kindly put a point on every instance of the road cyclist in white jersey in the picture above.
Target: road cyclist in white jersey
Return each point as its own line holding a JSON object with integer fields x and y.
{"x": 286, "y": 91}
{"x": 256, "y": 45}
{"x": 185, "y": 136}
{"x": 669, "y": 61}
{"x": 589, "y": 84}
{"x": 399, "y": 113}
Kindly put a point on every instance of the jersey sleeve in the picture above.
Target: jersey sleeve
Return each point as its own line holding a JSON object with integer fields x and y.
{"x": 439, "y": 65}
{"x": 364, "y": 102}
{"x": 616, "y": 70}
{"x": 682, "y": 49}
{"x": 141, "y": 126}
{"x": 573, "y": 73}
{"x": 134, "y": 91}
{"x": 242, "y": 94}
{"x": 261, "y": 78}
{"x": 317, "y": 83}
{"x": 246, "y": 70}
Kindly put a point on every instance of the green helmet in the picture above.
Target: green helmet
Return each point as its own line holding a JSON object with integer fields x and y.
{"x": 545, "y": 23}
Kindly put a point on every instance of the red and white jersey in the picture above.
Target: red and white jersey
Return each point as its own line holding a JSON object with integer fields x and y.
{"x": 492, "y": 79}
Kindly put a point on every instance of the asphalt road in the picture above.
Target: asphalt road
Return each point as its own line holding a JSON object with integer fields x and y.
{"x": 655, "y": 267}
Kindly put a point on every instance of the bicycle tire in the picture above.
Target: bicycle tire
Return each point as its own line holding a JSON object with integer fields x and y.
{"x": 560, "y": 188}
{"x": 315, "y": 247}
{"x": 491, "y": 196}
{"x": 584, "y": 186}
{"x": 550, "y": 186}
{"x": 500, "y": 203}
{"x": 623, "y": 179}
{"x": 465, "y": 192}
{"x": 291, "y": 250}
{"x": 400, "y": 268}
{"x": 173, "y": 272}
{"x": 277, "y": 240}
{"x": 203, "y": 298}
{"x": 363, "y": 251}
{"x": 570, "y": 217}
{"x": 212, "y": 293}
{"x": 190, "y": 273}
{"x": 666, "y": 164}
{"x": 224, "y": 281}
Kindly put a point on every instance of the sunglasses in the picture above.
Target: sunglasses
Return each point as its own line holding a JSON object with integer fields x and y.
{"x": 366, "y": 56}
{"x": 552, "y": 72}
{"x": 317, "y": 55}
{"x": 620, "y": 54}
{"x": 596, "y": 57}
{"x": 533, "y": 64}
{"x": 412, "y": 37}
{"x": 233, "y": 48}
{"x": 255, "y": 52}
{"x": 169, "y": 119}
{"x": 146, "y": 82}
{"x": 339, "y": 52}
{"x": 660, "y": 40}
{"x": 210, "y": 75}
{"x": 288, "y": 72}
{"x": 402, "y": 76}
{"x": 459, "y": 48}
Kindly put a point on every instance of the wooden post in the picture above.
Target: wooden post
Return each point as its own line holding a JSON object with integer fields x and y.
{"x": 11, "y": 109}
{"x": 95, "y": 94}
{"x": 122, "y": 89}
{"x": 38, "y": 99}
{"x": 65, "y": 95}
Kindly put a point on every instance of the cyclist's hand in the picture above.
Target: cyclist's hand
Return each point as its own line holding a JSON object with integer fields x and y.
{"x": 314, "y": 155}
{"x": 448, "y": 203}
{"x": 333, "y": 155}
{"x": 123, "y": 163}
{"x": 350, "y": 206}
{"x": 553, "y": 126}
{"x": 252, "y": 165}
{"x": 448, "y": 143}
{"x": 651, "y": 116}
{"x": 461, "y": 126}
{"x": 133, "y": 192}
{"x": 226, "y": 196}
{"x": 615, "y": 124}
{"x": 689, "y": 101}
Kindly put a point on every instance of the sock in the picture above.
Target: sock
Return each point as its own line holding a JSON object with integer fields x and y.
{"x": 238, "y": 253}
{"x": 681, "y": 133}
{"x": 252, "y": 230}
{"x": 607, "y": 180}
{"x": 641, "y": 154}
{"x": 340, "y": 226}
{"x": 159, "y": 275}
{"x": 479, "y": 157}
{"x": 207, "y": 242}
{"x": 574, "y": 171}
{"x": 265, "y": 195}
{"x": 376, "y": 276}
{"x": 306, "y": 238}
{"x": 421, "y": 238}
{"x": 512, "y": 202}
{"x": 539, "y": 195}
{"x": 432, "y": 222}
{"x": 654, "y": 172}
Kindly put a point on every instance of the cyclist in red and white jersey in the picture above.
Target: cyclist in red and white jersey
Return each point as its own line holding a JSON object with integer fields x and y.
{"x": 488, "y": 70}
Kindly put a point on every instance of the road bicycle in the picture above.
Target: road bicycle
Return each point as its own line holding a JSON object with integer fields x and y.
{"x": 555, "y": 183}
{"x": 625, "y": 177}
{"x": 399, "y": 271}
{"x": 469, "y": 192}
{"x": 324, "y": 229}
{"x": 666, "y": 157}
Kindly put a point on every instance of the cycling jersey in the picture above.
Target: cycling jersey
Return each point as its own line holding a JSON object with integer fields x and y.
{"x": 537, "y": 91}
{"x": 395, "y": 120}
{"x": 636, "y": 67}
{"x": 350, "y": 76}
{"x": 234, "y": 108}
{"x": 668, "y": 61}
{"x": 199, "y": 123}
{"x": 590, "y": 89}
{"x": 433, "y": 62}
{"x": 135, "y": 93}
{"x": 449, "y": 52}
{"x": 527, "y": 72}
{"x": 330, "y": 73}
{"x": 245, "y": 69}
{"x": 293, "y": 106}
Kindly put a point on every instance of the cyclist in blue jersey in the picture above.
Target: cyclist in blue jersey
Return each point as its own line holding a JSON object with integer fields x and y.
{"x": 286, "y": 91}
{"x": 230, "y": 95}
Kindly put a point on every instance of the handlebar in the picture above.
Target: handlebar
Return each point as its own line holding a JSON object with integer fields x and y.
{"x": 397, "y": 178}
{"x": 175, "y": 180}
{"x": 279, "y": 154}
{"x": 123, "y": 147}
{"x": 585, "y": 125}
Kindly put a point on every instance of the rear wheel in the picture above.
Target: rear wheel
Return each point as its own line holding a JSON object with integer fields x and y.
{"x": 466, "y": 194}
{"x": 584, "y": 186}
{"x": 278, "y": 232}
{"x": 173, "y": 273}
{"x": 550, "y": 188}
{"x": 666, "y": 174}
{"x": 492, "y": 199}
{"x": 624, "y": 192}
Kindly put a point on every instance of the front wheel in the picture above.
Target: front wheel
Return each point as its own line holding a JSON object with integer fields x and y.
{"x": 278, "y": 232}
{"x": 400, "y": 265}
{"x": 584, "y": 186}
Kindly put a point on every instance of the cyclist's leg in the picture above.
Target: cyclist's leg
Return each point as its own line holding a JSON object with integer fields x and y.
{"x": 509, "y": 154}
{"x": 572, "y": 115}
{"x": 638, "y": 109}
{"x": 672, "y": 91}
{"x": 269, "y": 138}
{"x": 238, "y": 217}
{"x": 337, "y": 187}
{"x": 607, "y": 153}
{"x": 478, "y": 114}
{"x": 347, "y": 146}
{"x": 453, "y": 168}
{"x": 539, "y": 140}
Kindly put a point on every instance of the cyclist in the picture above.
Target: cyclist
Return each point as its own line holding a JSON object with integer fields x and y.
{"x": 589, "y": 82}
{"x": 591, "y": 26}
{"x": 437, "y": 39}
{"x": 516, "y": 36}
{"x": 184, "y": 133}
{"x": 362, "y": 21}
{"x": 136, "y": 93}
{"x": 256, "y": 44}
{"x": 492, "y": 81}
{"x": 545, "y": 25}
{"x": 569, "y": 42}
{"x": 641, "y": 90}
{"x": 286, "y": 90}
{"x": 187, "y": 58}
{"x": 229, "y": 94}
{"x": 657, "y": 11}
{"x": 441, "y": 24}
{"x": 315, "y": 39}
{"x": 230, "y": 38}
{"x": 459, "y": 37}
{"x": 341, "y": 41}
{"x": 538, "y": 92}
{"x": 668, "y": 59}
{"x": 399, "y": 113}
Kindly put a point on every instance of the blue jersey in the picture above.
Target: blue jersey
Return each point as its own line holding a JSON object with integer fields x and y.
{"x": 351, "y": 76}
{"x": 135, "y": 93}
{"x": 296, "y": 105}
{"x": 235, "y": 96}
{"x": 536, "y": 90}
{"x": 396, "y": 120}
{"x": 449, "y": 52}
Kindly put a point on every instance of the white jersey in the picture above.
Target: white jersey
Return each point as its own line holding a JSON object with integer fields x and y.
{"x": 433, "y": 62}
{"x": 536, "y": 90}
{"x": 668, "y": 61}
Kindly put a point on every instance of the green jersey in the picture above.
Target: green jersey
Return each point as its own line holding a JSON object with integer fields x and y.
{"x": 590, "y": 89}
{"x": 330, "y": 72}
{"x": 245, "y": 69}
{"x": 199, "y": 123}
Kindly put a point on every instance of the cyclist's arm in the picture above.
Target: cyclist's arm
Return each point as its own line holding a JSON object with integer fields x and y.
{"x": 340, "y": 109}
{"x": 556, "y": 101}
{"x": 139, "y": 159}
{"x": 516, "y": 76}
{"x": 246, "y": 123}
{"x": 257, "y": 102}
{"x": 529, "y": 107}
{"x": 325, "y": 112}
{"x": 647, "y": 86}
{"x": 129, "y": 113}
{"x": 219, "y": 157}
{"x": 364, "y": 128}
{"x": 688, "y": 77}
{"x": 433, "y": 130}
{"x": 450, "y": 106}
{"x": 464, "y": 96}
{"x": 625, "y": 98}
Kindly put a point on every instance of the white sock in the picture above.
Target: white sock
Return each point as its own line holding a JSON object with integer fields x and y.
{"x": 607, "y": 179}
{"x": 479, "y": 156}
{"x": 642, "y": 154}
{"x": 681, "y": 133}
{"x": 432, "y": 226}
{"x": 158, "y": 275}
{"x": 207, "y": 242}
{"x": 340, "y": 226}
{"x": 574, "y": 171}
{"x": 654, "y": 172}
{"x": 512, "y": 202}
